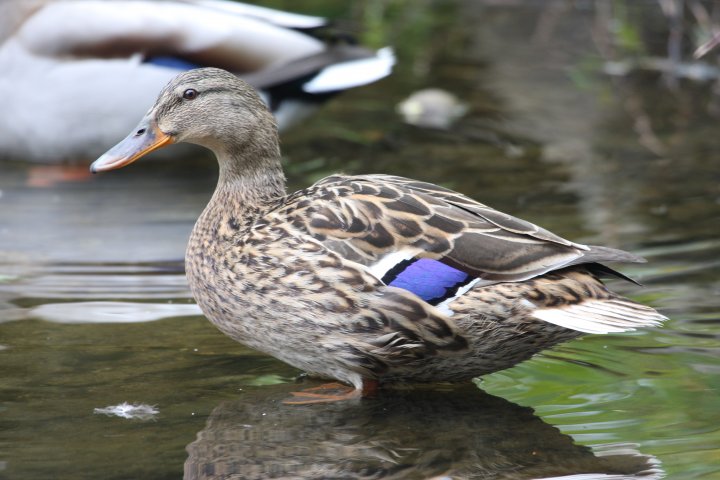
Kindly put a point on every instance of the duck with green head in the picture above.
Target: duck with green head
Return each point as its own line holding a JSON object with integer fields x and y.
{"x": 369, "y": 279}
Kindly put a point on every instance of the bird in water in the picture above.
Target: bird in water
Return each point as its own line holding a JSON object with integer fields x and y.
{"x": 367, "y": 279}
{"x": 67, "y": 60}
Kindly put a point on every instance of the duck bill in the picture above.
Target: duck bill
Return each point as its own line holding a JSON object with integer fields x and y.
{"x": 146, "y": 138}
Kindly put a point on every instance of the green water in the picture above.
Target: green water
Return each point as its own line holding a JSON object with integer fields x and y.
{"x": 94, "y": 310}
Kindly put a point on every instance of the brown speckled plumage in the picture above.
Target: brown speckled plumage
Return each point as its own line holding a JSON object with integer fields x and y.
{"x": 296, "y": 275}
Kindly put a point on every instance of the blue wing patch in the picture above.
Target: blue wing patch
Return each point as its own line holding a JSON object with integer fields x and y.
{"x": 171, "y": 62}
{"x": 431, "y": 280}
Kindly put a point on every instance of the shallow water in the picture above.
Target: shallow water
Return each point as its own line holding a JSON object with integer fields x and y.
{"x": 94, "y": 309}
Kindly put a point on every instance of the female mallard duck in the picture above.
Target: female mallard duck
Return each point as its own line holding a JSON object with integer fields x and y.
{"x": 72, "y": 59}
{"x": 369, "y": 278}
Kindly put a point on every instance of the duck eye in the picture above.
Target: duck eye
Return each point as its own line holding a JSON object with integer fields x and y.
{"x": 190, "y": 94}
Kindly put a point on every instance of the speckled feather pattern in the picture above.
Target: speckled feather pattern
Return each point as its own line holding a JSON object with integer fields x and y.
{"x": 300, "y": 276}
{"x": 297, "y": 274}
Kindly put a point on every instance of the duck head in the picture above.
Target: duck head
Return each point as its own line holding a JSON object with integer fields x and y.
{"x": 208, "y": 107}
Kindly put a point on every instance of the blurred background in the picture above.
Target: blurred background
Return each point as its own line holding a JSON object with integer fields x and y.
{"x": 596, "y": 119}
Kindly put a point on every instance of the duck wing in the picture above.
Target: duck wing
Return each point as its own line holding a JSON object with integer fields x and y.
{"x": 382, "y": 221}
{"x": 276, "y": 17}
{"x": 238, "y": 38}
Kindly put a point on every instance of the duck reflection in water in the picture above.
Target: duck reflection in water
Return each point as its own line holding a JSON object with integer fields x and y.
{"x": 401, "y": 435}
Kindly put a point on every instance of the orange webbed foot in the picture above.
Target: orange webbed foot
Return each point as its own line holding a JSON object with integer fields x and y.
{"x": 331, "y": 392}
{"x": 44, "y": 176}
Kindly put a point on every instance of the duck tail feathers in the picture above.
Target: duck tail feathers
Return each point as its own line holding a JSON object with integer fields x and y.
{"x": 352, "y": 73}
{"x": 613, "y": 315}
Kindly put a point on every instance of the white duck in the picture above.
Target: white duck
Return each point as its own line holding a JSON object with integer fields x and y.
{"x": 76, "y": 74}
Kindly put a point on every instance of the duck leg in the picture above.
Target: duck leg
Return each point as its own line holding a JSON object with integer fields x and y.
{"x": 332, "y": 392}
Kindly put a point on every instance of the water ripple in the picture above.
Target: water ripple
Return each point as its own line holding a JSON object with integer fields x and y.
{"x": 111, "y": 312}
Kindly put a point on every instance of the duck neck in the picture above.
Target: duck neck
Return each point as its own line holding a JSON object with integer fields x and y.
{"x": 251, "y": 181}
{"x": 248, "y": 184}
